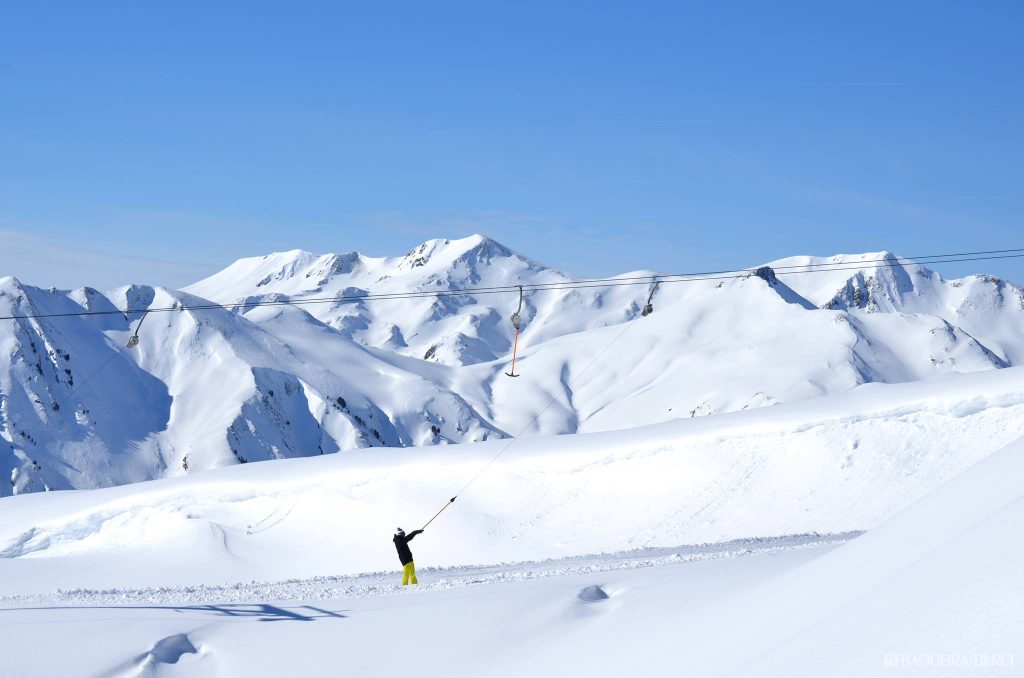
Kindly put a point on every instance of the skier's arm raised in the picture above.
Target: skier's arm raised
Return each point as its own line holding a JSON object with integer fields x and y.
{"x": 412, "y": 534}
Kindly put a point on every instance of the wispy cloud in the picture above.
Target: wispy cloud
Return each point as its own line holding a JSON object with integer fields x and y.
{"x": 50, "y": 261}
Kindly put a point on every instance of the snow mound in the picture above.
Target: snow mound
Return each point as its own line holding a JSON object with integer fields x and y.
{"x": 170, "y": 649}
{"x": 593, "y": 594}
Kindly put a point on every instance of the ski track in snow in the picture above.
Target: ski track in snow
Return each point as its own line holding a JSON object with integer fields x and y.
{"x": 370, "y": 584}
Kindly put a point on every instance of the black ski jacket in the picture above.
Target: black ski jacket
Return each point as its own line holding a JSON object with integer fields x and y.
{"x": 402, "y": 545}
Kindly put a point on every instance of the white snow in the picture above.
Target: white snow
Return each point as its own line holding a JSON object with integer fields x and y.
{"x": 830, "y": 465}
{"x": 935, "y": 590}
{"x": 654, "y": 540}
{"x": 212, "y": 388}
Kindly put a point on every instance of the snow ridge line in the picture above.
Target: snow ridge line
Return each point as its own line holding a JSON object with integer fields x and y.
{"x": 380, "y": 583}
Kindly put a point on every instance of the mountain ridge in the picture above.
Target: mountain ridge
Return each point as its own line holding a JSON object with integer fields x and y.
{"x": 217, "y": 387}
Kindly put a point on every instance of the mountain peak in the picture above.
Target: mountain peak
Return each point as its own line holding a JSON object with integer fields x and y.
{"x": 481, "y": 248}
{"x": 296, "y": 253}
{"x": 295, "y": 258}
{"x": 868, "y": 258}
{"x": 870, "y": 281}
{"x": 474, "y": 247}
{"x": 10, "y": 281}
{"x": 481, "y": 240}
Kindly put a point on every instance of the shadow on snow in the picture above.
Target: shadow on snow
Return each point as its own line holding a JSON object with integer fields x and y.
{"x": 257, "y": 612}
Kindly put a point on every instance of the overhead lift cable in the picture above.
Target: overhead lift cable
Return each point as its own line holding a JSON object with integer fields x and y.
{"x": 886, "y": 262}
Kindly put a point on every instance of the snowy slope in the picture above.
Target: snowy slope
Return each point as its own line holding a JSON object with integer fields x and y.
{"x": 984, "y": 307}
{"x": 933, "y": 588}
{"x": 937, "y": 587}
{"x": 212, "y": 388}
{"x": 472, "y": 624}
{"x": 714, "y": 347}
{"x": 203, "y": 389}
{"x": 299, "y": 390}
{"x": 831, "y": 465}
{"x": 74, "y": 411}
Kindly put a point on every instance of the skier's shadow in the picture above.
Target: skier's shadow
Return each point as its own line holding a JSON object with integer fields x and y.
{"x": 243, "y": 611}
{"x": 260, "y": 612}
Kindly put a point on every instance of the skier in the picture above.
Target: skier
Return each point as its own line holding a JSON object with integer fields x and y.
{"x": 405, "y": 555}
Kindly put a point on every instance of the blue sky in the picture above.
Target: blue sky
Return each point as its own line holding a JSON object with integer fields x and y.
{"x": 157, "y": 142}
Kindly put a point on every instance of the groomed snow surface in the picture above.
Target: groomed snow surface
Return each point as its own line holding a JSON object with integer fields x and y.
{"x": 723, "y": 545}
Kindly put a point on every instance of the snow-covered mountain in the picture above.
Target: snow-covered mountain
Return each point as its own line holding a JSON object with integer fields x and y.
{"x": 711, "y": 346}
{"x": 215, "y": 387}
{"x": 451, "y": 330}
{"x": 982, "y": 306}
{"x": 202, "y": 389}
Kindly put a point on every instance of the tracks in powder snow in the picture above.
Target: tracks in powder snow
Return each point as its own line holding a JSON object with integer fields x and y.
{"x": 384, "y": 583}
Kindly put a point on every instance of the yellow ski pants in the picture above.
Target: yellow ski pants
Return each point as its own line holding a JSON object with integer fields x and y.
{"x": 409, "y": 574}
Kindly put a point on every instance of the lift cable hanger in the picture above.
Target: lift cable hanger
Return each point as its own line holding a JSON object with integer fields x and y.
{"x": 133, "y": 340}
{"x": 648, "y": 308}
{"x": 517, "y": 323}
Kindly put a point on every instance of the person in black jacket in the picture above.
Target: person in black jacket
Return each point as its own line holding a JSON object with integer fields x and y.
{"x": 405, "y": 555}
